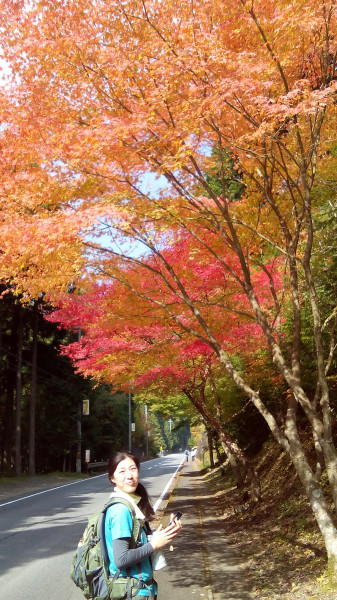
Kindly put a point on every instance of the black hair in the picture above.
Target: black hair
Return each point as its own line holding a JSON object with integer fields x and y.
{"x": 144, "y": 503}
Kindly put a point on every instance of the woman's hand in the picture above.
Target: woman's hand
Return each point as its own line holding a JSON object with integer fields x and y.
{"x": 162, "y": 537}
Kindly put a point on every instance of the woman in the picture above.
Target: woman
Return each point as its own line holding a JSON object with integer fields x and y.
{"x": 133, "y": 562}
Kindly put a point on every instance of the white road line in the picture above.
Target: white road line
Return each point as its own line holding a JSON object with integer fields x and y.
{"x": 157, "y": 504}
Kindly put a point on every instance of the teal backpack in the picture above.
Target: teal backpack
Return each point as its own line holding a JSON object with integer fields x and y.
{"x": 90, "y": 564}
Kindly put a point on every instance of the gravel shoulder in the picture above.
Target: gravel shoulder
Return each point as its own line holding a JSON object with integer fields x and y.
{"x": 12, "y": 487}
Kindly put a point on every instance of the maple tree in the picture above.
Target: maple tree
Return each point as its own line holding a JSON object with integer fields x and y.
{"x": 146, "y": 87}
{"x": 125, "y": 341}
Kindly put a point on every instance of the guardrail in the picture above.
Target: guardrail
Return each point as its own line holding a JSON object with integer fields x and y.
{"x": 97, "y": 466}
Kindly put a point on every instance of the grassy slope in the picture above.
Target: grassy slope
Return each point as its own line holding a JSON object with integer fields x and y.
{"x": 277, "y": 539}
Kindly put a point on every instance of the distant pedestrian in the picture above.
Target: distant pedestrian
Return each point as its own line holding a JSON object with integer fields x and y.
{"x": 193, "y": 453}
{"x": 186, "y": 454}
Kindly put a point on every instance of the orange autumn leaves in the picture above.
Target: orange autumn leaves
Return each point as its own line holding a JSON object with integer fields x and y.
{"x": 105, "y": 91}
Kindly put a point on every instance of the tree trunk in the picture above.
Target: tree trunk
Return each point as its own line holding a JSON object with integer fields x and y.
{"x": 292, "y": 445}
{"x": 9, "y": 385}
{"x": 18, "y": 466}
{"x": 322, "y": 428}
{"x": 32, "y": 408}
{"x": 232, "y": 457}
{"x": 210, "y": 446}
{"x": 228, "y": 444}
{"x": 8, "y": 426}
{"x": 233, "y": 461}
{"x": 313, "y": 489}
{"x": 218, "y": 455}
{"x": 317, "y": 445}
{"x": 235, "y": 466}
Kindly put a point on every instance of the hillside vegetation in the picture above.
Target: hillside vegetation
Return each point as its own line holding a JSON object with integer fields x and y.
{"x": 277, "y": 538}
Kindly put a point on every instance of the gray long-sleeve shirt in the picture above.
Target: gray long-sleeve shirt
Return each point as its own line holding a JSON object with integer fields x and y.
{"x": 125, "y": 557}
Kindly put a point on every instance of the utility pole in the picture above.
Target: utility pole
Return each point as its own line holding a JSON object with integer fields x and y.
{"x": 146, "y": 433}
{"x": 79, "y": 426}
{"x": 130, "y": 424}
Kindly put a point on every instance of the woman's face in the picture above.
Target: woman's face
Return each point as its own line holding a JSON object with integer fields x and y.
{"x": 126, "y": 476}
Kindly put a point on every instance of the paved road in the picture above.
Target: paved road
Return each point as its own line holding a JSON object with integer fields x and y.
{"x": 39, "y": 532}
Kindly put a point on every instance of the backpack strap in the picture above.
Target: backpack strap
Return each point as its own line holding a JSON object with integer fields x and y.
{"x": 136, "y": 530}
{"x": 101, "y": 530}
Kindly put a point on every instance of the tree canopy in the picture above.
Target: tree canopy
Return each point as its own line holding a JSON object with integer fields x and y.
{"x": 99, "y": 95}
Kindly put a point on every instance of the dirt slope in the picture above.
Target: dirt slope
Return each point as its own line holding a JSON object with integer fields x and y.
{"x": 277, "y": 539}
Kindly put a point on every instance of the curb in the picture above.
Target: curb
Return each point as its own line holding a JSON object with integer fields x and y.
{"x": 204, "y": 550}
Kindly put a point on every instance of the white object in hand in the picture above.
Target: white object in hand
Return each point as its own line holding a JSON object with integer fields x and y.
{"x": 158, "y": 560}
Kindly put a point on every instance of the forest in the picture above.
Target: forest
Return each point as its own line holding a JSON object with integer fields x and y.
{"x": 169, "y": 191}
{"x": 41, "y": 403}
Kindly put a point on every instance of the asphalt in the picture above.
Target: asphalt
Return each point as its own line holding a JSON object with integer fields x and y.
{"x": 201, "y": 564}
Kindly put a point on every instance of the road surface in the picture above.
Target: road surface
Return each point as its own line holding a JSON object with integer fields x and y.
{"x": 39, "y": 532}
